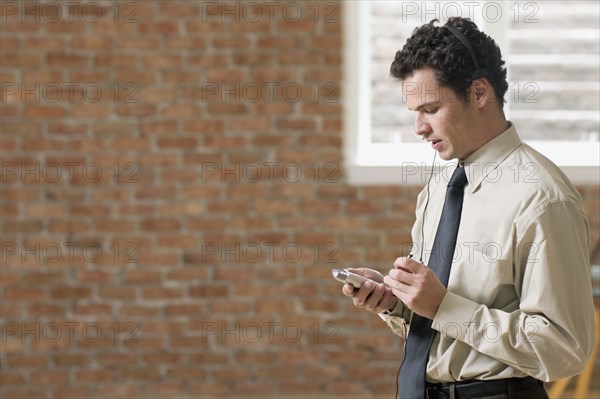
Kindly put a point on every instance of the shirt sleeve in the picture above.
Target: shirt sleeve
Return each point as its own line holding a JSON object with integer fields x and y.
{"x": 397, "y": 320}
{"x": 551, "y": 334}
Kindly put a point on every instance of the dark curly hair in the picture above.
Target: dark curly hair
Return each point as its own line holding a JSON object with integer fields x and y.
{"x": 438, "y": 48}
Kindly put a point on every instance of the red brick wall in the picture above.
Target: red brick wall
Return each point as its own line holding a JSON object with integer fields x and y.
{"x": 166, "y": 232}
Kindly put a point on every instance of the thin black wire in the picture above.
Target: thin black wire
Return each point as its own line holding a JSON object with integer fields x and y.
{"x": 425, "y": 209}
{"x": 420, "y": 256}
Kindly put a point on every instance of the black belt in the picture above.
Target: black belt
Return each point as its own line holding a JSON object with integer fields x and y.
{"x": 477, "y": 388}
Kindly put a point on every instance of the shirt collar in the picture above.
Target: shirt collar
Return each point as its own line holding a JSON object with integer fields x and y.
{"x": 485, "y": 160}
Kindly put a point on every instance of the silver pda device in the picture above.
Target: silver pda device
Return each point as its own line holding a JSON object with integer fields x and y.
{"x": 345, "y": 276}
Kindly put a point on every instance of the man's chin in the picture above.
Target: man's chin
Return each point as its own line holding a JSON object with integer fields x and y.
{"x": 445, "y": 155}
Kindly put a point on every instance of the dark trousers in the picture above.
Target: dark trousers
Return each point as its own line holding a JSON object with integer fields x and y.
{"x": 515, "y": 388}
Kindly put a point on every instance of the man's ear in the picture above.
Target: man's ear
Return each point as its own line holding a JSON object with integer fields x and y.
{"x": 482, "y": 92}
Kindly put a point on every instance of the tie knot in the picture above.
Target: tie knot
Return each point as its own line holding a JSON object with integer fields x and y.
{"x": 459, "y": 178}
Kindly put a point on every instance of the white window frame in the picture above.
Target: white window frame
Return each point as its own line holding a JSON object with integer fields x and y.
{"x": 368, "y": 163}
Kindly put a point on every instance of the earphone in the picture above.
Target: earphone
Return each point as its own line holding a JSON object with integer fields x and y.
{"x": 425, "y": 208}
{"x": 478, "y": 72}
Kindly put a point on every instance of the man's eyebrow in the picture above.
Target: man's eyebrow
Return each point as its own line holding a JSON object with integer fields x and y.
{"x": 424, "y": 105}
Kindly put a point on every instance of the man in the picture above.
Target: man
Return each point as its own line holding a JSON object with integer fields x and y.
{"x": 495, "y": 297}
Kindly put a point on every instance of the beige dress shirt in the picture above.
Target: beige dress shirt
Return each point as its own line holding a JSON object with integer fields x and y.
{"x": 519, "y": 298}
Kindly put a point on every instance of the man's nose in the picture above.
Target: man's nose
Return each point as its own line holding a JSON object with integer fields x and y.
{"x": 421, "y": 126}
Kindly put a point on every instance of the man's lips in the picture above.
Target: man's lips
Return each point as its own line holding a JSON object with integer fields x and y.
{"x": 434, "y": 143}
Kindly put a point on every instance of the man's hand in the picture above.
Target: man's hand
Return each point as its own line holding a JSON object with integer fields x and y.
{"x": 417, "y": 286}
{"x": 372, "y": 296}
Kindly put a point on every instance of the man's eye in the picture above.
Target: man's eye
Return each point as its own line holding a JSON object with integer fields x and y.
{"x": 431, "y": 111}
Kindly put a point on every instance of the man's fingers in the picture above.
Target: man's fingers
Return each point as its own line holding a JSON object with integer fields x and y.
{"x": 409, "y": 265}
{"x": 369, "y": 295}
{"x": 406, "y": 278}
{"x": 402, "y": 276}
{"x": 400, "y": 261}
{"x": 375, "y": 297}
{"x": 358, "y": 295}
{"x": 392, "y": 283}
{"x": 348, "y": 290}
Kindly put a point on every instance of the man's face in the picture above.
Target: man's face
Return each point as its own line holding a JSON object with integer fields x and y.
{"x": 441, "y": 117}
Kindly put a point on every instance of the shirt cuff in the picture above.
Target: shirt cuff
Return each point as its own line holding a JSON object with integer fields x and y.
{"x": 398, "y": 310}
{"x": 454, "y": 315}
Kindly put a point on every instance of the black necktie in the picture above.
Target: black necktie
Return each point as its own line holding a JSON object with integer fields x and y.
{"x": 420, "y": 337}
